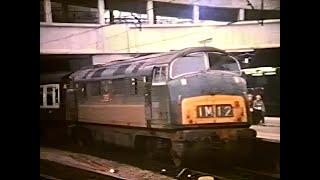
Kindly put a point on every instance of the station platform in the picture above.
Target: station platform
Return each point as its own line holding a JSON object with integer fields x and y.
{"x": 270, "y": 130}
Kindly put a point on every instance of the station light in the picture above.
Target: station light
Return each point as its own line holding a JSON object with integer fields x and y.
{"x": 268, "y": 69}
{"x": 260, "y": 71}
{"x": 270, "y": 73}
{"x": 257, "y": 74}
{"x": 239, "y": 50}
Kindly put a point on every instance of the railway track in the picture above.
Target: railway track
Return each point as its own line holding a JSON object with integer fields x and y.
{"x": 160, "y": 167}
{"x": 47, "y": 177}
{"x": 185, "y": 173}
{"x": 56, "y": 171}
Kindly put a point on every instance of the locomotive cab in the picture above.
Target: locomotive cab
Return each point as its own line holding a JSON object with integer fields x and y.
{"x": 202, "y": 88}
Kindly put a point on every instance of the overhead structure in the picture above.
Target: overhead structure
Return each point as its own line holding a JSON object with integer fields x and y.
{"x": 149, "y": 10}
{"x": 241, "y": 4}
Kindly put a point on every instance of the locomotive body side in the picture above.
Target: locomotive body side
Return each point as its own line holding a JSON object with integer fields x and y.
{"x": 195, "y": 96}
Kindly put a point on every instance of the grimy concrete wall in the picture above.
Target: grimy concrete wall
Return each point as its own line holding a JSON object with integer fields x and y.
{"x": 85, "y": 39}
{"x": 268, "y": 4}
{"x": 235, "y": 36}
{"x": 66, "y": 38}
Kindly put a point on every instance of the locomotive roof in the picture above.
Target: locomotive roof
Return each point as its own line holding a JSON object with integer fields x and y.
{"x": 140, "y": 66}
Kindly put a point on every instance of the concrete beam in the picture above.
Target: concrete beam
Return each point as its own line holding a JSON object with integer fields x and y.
{"x": 244, "y": 35}
{"x": 89, "y": 39}
{"x": 47, "y": 11}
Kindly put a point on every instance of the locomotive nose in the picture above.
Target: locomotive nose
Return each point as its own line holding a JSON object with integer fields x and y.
{"x": 227, "y": 84}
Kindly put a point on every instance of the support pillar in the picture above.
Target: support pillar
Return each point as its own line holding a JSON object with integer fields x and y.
{"x": 241, "y": 15}
{"x": 65, "y": 11}
{"x": 111, "y": 16}
{"x": 101, "y": 10}
{"x": 261, "y": 11}
{"x": 150, "y": 12}
{"x": 47, "y": 11}
{"x": 196, "y": 14}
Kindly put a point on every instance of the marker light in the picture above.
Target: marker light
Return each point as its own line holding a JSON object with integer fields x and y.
{"x": 183, "y": 82}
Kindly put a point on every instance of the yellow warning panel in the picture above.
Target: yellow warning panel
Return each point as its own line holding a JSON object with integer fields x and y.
{"x": 213, "y": 109}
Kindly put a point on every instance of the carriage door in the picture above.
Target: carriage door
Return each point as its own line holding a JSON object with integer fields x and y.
{"x": 160, "y": 96}
{"x": 49, "y": 96}
{"x": 50, "y": 102}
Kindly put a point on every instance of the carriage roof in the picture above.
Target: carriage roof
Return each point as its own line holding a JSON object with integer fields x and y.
{"x": 55, "y": 77}
{"x": 140, "y": 66}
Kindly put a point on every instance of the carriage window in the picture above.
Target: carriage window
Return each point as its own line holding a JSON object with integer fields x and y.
{"x": 159, "y": 75}
{"x": 191, "y": 63}
{"x": 49, "y": 96}
{"x": 223, "y": 62}
{"x": 56, "y": 96}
